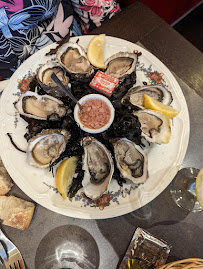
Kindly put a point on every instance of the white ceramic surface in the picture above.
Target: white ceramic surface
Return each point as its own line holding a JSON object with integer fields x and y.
{"x": 3, "y": 85}
{"x": 164, "y": 160}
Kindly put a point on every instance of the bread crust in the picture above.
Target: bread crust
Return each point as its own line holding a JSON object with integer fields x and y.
{"x": 5, "y": 181}
{"x": 16, "y": 212}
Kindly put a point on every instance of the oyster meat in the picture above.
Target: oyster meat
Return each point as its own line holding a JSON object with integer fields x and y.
{"x": 131, "y": 160}
{"x": 135, "y": 95}
{"x": 44, "y": 148}
{"x": 98, "y": 166}
{"x": 74, "y": 59}
{"x": 41, "y": 107}
{"x": 121, "y": 65}
{"x": 44, "y": 78}
{"x": 155, "y": 126}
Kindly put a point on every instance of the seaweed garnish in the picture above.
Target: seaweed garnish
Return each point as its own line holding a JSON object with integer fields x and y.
{"x": 125, "y": 125}
{"x": 77, "y": 181}
{"x": 14, "y": 144}
{"x": 60, "y": 43}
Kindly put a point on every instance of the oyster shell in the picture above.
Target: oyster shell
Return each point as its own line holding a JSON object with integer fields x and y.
{"x": 121, "y": 65}
{"x": 74, "y": 59}
{"x": 98, "y": 166}
{"x": 41, "y": 107}
{"x": 44, "y": 148}
{"x": 131, "y": 160}
{"x": 155, "y": 126}
{"x": 44, "y": 78}
{"x": 135, "y": 95}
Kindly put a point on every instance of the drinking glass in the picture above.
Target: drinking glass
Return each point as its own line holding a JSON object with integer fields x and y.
{"x": 182, "y": 189}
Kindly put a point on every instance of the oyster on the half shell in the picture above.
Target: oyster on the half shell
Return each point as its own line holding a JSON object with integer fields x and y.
{"x": 135, "y": 95}
{"x": 44, "y": 148}
{"x": 121, "y": 64}
{"x": 155, "y": 126}
{"x": 131, "y": 160}
{"x": 74, "y": 59}
{"x": 45, "y": 81}
{"x": 41, "y": 107}
{"x": 98, "y": 166}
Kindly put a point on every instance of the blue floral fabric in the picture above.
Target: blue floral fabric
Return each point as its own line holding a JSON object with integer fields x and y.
{"x": 28, "y": 25}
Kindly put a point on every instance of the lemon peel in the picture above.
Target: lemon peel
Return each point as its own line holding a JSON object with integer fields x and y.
{"x": 64, "y": 175}
{"x": 95, "y": 51}
{"x": 199, "y": 187}
{"x": 151, "y": 103}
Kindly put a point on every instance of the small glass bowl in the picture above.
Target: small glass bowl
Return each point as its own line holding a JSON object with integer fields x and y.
{"x": 94, "y": 96}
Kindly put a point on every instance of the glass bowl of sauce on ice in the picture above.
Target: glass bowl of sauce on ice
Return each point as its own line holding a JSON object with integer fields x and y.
{"x": 96, "y": 115}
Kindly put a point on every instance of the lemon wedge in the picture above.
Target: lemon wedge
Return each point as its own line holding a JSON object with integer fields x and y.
{"x": 199, "y": 187}
{"x": 151, "y": 103}
{"x": 95, "y": 51}
{"x": 64, "y": 175}
{"x": 132, "y": 263}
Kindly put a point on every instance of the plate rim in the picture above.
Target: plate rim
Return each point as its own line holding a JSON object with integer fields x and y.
{"x": 126, "y": 209}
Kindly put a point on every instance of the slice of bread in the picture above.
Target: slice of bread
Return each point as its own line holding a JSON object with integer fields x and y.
{"x": 16, "y": 212}
{"x": 5, "y": 180}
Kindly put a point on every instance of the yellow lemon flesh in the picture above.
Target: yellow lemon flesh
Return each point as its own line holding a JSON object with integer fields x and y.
{"x": 95, "y": 51}
{"x": 151, "y": 103}
{"x": 64, "y": 175}
{"x": 199, "y": 187}
{"x": 132, "y": 263}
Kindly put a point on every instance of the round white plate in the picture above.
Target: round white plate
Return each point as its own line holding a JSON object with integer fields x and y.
{"x": 39, "y": 184}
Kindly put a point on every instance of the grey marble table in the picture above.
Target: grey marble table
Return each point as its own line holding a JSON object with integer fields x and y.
{"x": 102, "y": 243}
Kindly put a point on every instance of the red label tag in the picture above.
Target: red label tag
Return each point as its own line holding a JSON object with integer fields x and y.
{"x": 104, "y": 83}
